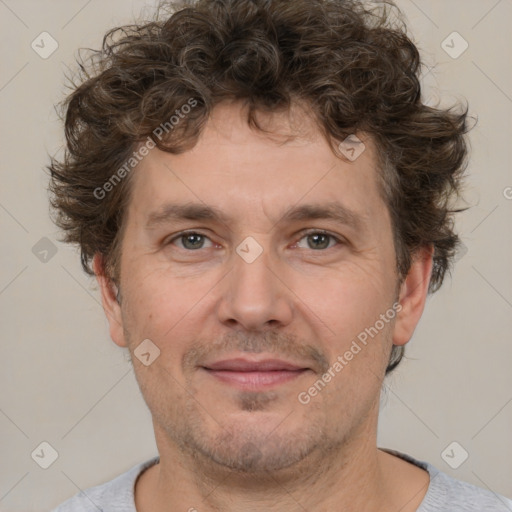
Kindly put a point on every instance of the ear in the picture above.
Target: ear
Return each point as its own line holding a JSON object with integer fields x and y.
{"x": 413, "y": 294}
{"x": 109, "y": 300}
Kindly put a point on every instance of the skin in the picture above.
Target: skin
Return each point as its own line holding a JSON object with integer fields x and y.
{"x": 227, "y": 449}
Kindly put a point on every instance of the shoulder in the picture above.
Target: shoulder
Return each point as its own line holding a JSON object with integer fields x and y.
{"x": 115, "y": 495}
{"x": 447, "y": 494}
{"x": 451, "y": 495}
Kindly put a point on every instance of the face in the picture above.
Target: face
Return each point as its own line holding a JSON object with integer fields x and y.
{"x": 256, "y": 265}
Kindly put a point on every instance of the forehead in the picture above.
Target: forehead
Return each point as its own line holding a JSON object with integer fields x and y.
{"x": 234, "y": 166}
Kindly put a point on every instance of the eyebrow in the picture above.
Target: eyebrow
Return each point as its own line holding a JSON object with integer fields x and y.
{"x": 327, "y": 211}
{"x": 196, "y": 211}
{"x": 191, "y": 211}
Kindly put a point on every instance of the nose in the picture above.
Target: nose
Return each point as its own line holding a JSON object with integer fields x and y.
{"x": 253, "y": 297}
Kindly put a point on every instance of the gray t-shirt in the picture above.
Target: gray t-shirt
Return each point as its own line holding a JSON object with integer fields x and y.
{"x": 444, "y": 494}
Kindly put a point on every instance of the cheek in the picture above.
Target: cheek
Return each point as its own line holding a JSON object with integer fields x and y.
{"x": 346, "y": 299}
{"x": 346, "y": 312}
{"x": 164, "y": 308}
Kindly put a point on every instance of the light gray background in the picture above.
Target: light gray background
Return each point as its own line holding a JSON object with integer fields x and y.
{"x": 64, "y": 382}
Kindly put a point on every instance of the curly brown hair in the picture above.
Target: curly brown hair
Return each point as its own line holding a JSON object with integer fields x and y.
{"x": 354, "y": 66}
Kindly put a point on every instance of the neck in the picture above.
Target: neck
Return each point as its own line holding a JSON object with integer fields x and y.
{"x": 352, "y": 476}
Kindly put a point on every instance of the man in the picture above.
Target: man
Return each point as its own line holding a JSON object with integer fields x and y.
{"x": 266, "y": 203}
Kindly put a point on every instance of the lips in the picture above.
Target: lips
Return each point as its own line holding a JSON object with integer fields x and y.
{"x": 254, "y": 375}
{"x": 243, "y": 365}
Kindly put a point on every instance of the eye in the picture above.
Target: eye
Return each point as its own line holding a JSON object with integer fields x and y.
{"x": 318, "y": 240}
{"x": 191, "y": 241}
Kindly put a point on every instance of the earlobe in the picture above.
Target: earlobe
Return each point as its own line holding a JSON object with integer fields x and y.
{"x": 110, "y": 298}
{"x": 413, "y": 295}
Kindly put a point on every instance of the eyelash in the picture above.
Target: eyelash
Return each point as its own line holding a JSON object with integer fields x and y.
{"x": 303, "y": 234}
{"x": 310, "y": 232}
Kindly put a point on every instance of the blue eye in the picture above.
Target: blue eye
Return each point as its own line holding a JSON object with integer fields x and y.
{"x": 191, "y": 241}
{"x": 318, "y": 240}
{"x": 314, "y": 240}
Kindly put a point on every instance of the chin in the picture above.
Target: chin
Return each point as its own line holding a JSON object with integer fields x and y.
{"x": 264, "y": 442}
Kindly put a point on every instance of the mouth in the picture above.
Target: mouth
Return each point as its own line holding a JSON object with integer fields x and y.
{"x": 254, "y": 375}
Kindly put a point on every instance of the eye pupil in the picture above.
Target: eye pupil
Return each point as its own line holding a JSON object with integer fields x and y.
{"x": 319, "y": 237}
{"x": 316, "y": 241}
{"x": 192, "y": 241}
